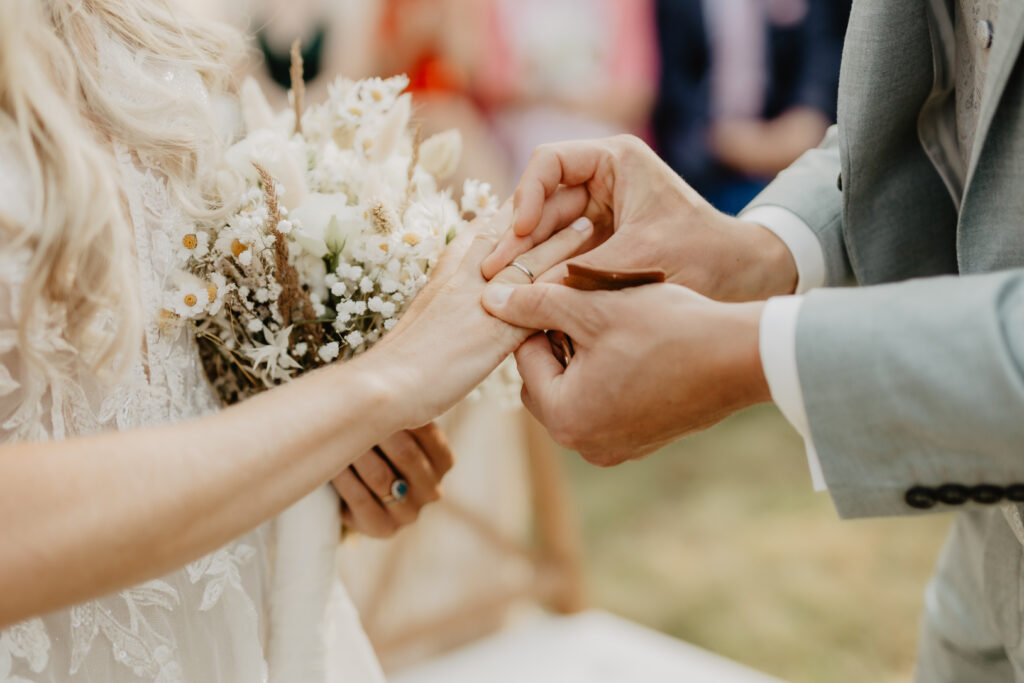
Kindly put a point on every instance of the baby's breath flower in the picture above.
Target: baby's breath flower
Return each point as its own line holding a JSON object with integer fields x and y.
{"x": 329, "y": 351}
{"x": 354, "y": 339}
{"x": 255, "y": 325}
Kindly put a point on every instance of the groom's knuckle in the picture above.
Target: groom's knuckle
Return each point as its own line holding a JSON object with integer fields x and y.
{"x": 591, "y": 319}
{"x": 566, "y": 432}
{"x": 541, "y": 153}
{"x": 626, "y": 144}
{"x": 599, "y": 457}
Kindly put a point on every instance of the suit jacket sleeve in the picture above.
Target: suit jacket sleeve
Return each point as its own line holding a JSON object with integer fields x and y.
{"x": 919, "y": 383}
{"x": 810, "y": 189}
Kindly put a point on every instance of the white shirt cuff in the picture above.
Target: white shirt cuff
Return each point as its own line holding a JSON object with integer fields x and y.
{"x": 799, "y": 238}
{"x": 778, "y": 358}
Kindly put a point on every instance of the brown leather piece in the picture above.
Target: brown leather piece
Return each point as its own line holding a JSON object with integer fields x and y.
{"x": 594, "y": 279}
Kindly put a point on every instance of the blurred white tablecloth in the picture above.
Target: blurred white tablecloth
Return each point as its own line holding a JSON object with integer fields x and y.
{"x": 592, "y": 647}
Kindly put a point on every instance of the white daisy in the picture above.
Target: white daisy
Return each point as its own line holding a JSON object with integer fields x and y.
{"x": 478, "y": 199}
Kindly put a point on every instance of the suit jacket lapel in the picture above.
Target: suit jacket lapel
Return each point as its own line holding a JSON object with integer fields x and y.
{"x": 1006, "y": 44}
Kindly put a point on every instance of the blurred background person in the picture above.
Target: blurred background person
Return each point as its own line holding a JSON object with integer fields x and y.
{"x": 436, "y": 43}
{"x": 747, "y": 86}
{"x": 550, "y": 70}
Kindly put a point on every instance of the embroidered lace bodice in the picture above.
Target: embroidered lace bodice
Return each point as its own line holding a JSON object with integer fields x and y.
{"x": 205, "y": 622}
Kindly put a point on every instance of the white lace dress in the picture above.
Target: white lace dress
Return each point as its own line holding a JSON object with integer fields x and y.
{"x": 208, "y": 622}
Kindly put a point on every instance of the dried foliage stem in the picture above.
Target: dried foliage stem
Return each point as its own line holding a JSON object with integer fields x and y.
{"x": 417, "y": 140}
{"x": 298, "y": 84}
{"x": 293, "y": 297}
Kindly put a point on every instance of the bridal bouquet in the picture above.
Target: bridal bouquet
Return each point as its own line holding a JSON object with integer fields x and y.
{"x": 334, "y": 222}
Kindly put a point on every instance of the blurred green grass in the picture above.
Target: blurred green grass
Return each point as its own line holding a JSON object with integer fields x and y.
{"x": 719, "y": 540}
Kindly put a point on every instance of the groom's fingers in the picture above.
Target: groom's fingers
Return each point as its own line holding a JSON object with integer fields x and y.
{"x": 545, "y": 306}
{"x": 564, "y": 163}
{"x": 545, "y": 255}
{"x": 559, "y": 211}
{"x": 541, "y": 373}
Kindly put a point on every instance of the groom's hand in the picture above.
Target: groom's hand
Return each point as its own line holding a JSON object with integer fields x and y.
{"x": 646, "y": 217}
{"x": 652, "y": 363}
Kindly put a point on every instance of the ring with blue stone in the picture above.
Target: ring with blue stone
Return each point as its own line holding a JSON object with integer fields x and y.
{"x": 399, "y": 490}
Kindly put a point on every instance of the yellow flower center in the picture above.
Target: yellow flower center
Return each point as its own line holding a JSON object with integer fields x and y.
{"x": 190, "y": 299}
{"x": 355, "y": 111}
{"x": 482, "y": 201}
{"x": 211, "y": 292}
{"x": 412, "y": 239}
{"x": 377, "y": 95}
{"x": 367, "y": 144}
{"x": 383, "y": 247}
{"x": 191, "y": 241}
{"x": 238, "y": 247}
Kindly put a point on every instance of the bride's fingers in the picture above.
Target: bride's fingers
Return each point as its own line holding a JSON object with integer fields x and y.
{"x": 380, "y": 479}
{"x": 475, "y": 242}
{"x": 533, "y": 264}
{"x": 486, "y": 234}
{"x": 564, "y": 206}
{"x": 410, "y": 462}
{"x": 434, "y": 443}
{"x": 362, "y": 511}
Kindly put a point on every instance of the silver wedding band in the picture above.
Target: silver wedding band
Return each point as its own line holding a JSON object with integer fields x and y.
{"x": 527, "y": 271}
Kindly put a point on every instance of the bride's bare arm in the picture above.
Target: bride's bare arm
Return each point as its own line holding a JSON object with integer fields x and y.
{"x": 90, "y": 515}
{"x": 87, "y": 516}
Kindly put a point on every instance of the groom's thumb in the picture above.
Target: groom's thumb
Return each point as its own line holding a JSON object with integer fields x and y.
{"x": 542, "y": 306}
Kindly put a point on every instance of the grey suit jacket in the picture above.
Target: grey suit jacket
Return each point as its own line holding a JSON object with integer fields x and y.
{"x": 918, "y": 384}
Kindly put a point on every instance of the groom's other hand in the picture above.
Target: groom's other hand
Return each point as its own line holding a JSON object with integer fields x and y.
{"x": 418, "y": 457}
{"x": 645, "y": 216}
{"x": 652, "y": 364}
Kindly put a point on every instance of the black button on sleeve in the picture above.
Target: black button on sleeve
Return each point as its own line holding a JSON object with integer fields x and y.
{"x": 1015, "y": 493}
{"x": 920, "y": 497}
{"x": 839, "y": 182}
{"x": 987, "y": 494}
{"x": 953, "y": 494}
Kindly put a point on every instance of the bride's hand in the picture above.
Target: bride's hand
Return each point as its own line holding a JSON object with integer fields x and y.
{"x": 447, "y": 343}
{"x": 417, "y": 457}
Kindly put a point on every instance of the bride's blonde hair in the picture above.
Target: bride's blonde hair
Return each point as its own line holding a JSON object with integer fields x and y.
{"x": 62, "y": 108}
